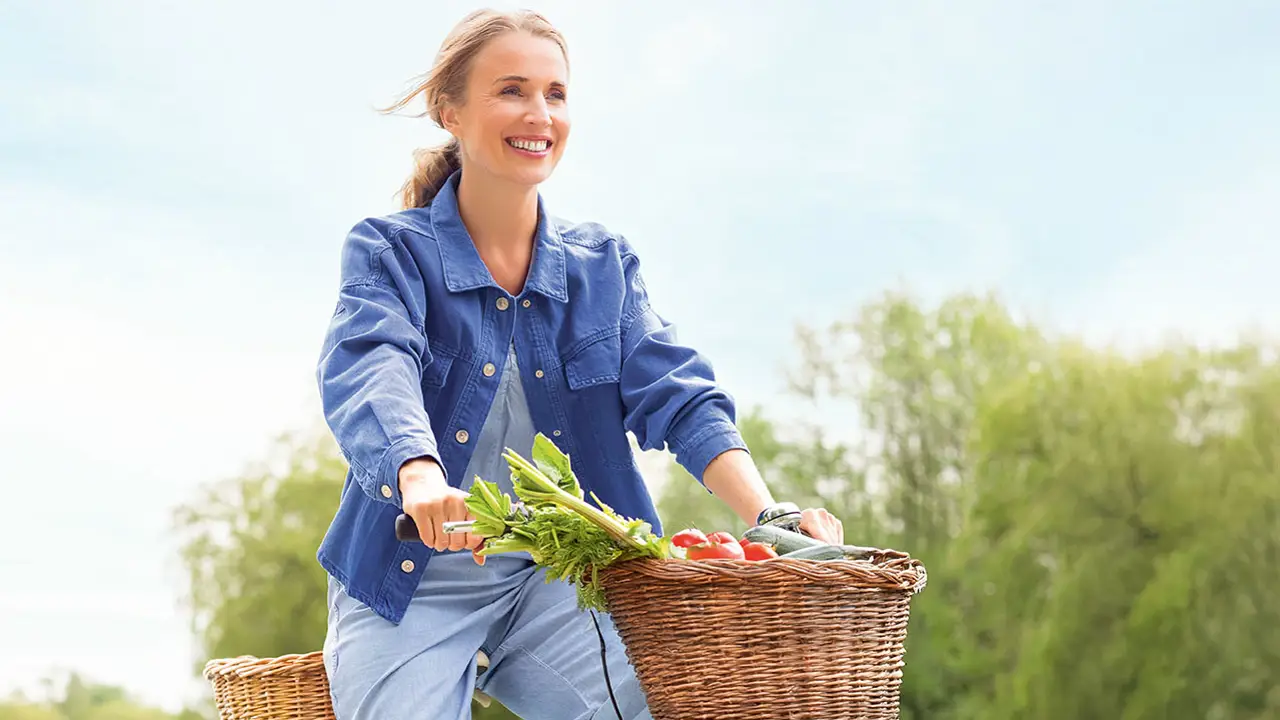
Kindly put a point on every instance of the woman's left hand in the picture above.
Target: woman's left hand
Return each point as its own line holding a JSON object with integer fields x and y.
{"x": 822, "y": 525}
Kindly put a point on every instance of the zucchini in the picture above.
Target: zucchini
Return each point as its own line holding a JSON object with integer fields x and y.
{"x": 817, "y": 552}
{"x": 854, "y": 552}
{"x": 782, "y": 540}
{"x": 787, "y": 542}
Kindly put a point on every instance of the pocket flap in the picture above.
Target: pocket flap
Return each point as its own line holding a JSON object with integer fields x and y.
{"x": 435, "y": 367}
{"x": 597, "y": 362}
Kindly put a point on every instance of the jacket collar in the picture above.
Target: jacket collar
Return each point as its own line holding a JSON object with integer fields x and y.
{"x": 463, "y": 268}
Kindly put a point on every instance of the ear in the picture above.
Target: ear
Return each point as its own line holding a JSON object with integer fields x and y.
{"x": 449, "y": 118}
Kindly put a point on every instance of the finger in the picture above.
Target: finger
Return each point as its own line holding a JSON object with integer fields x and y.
{"x": 458, "y": 541}
{"x": 809, "y": 520}
{"x": 475, "y": 554}
{"x": 808, "y": 526}
{"x": 456, "y": 511}
{"x": 427, "y": 530}
{"x": 438, "y": 520}
{"x": 815, "y": 522}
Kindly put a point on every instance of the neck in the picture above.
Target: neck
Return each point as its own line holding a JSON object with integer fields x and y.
{"x": 500, "y": 216}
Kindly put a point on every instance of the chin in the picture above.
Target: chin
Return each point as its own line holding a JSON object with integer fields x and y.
{"x": 529, "y": 176}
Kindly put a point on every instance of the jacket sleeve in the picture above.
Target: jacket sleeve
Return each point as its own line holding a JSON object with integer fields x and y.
{"x": 370, "y": 367}
{"x": 669, "y": 390}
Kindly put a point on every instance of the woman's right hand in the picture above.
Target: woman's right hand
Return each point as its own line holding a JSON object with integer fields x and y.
{"x": 431, "y": 502}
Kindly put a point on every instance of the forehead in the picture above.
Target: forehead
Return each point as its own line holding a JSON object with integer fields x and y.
{"x": 522, "y": 54}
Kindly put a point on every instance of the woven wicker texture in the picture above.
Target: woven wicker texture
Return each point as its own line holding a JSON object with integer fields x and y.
{"x": 295, "y": 687}
{"x": 781, "y": 639}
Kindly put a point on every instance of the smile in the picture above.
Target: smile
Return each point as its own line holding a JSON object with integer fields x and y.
{"x": 535, "y": 146}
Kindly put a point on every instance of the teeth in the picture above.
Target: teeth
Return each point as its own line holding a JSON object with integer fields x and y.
{"x": 530, "y": 145}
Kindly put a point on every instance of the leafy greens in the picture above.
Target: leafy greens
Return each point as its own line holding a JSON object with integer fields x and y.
{"x": 560, "y": 529}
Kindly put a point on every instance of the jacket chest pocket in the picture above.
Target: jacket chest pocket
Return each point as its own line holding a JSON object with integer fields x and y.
{"x": 592, "y": 374}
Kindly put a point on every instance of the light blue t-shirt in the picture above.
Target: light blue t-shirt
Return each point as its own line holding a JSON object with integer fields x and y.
{"x": 508, "y": 425}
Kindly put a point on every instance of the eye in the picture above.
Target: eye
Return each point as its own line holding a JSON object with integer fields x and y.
{"x": 557, "y": 95}
{"x": 511, "y": 90}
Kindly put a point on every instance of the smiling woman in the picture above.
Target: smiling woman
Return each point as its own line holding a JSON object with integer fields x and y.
{"x": 471, "y": 322}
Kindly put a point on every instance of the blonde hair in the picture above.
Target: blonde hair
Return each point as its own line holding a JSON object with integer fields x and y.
{"x": 446, "y": 82}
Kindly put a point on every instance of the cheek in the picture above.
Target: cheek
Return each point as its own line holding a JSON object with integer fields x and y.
{"x": 487, "y": 122}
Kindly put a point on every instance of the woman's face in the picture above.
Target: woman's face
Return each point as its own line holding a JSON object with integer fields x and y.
{"x": 514, "y": 122}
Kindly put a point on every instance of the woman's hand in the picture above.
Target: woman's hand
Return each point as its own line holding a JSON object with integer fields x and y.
{"x": 822, "y": 525}
{"x": 431, "y": 502}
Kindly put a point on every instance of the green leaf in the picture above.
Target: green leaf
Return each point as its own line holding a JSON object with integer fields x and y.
{"x": 555, "y": 464}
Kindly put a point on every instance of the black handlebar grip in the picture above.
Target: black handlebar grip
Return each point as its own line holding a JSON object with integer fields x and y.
{"x": 407, "y": 529}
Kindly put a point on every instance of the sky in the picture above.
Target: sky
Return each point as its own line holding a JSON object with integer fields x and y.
{"x": 176, "y": 180}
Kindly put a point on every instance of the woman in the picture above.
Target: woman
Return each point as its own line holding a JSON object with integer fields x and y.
{"x": 467, "y": 323}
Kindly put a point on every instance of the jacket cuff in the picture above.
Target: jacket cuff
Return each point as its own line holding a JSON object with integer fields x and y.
{"x": 697, "y": 453}
{"x": 388, "y": 479}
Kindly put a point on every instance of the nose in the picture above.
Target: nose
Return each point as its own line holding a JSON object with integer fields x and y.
{"x": 538, "y": 113}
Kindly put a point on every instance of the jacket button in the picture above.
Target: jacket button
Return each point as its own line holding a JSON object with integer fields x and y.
{"x": 537, "y": 373}
{"x": 503, "y": 304}
{"x": 462, "y": 436}
{"x": 407, "y": 566}
{"x": 489, "y": 369}
{"x": 556, "y": 433}
{"x": 526, "y": 303}
{"x": 386, "y": 491}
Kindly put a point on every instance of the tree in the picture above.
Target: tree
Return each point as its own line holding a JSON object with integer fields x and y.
{"x": 249, "y": 544}
{"x": 912, "y": 377}
{"x": 1101, "y": 531}
{"x": 1124, "y": 512}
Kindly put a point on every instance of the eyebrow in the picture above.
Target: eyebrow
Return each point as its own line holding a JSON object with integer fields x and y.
{"x": 522, "y": 79}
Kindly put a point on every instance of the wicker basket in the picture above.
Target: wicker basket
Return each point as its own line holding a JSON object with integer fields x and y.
{"x": 781, "y": 639}
{"x": 292, "y": 687}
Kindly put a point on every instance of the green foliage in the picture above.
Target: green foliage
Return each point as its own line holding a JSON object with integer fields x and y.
{"x": 1102, "y": 532}
{"x": 249, "y": 544}
{"x": 1139, "y": 500}
{"x": 74, "y": 698}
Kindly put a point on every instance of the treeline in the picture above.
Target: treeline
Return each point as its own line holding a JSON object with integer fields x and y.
{"x": 1101, "y": 529}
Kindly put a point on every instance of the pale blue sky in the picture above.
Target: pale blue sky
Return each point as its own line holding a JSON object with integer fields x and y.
{"x": 175, "y": 181}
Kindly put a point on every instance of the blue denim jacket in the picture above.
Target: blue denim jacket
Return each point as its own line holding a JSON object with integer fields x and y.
{"x": 409, "y": 369}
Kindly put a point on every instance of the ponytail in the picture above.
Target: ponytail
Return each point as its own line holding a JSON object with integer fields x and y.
{"x": 432, "y": 168}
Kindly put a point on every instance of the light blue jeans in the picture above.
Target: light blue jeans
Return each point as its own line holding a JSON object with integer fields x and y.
{"x": 544, "y": 653}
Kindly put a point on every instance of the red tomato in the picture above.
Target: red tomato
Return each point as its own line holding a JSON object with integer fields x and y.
{"x": 758, "y": 551}
{"x": 716, "y": 551}
{"x": 722, "y": 537}
{"x": 688, "y": 538}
